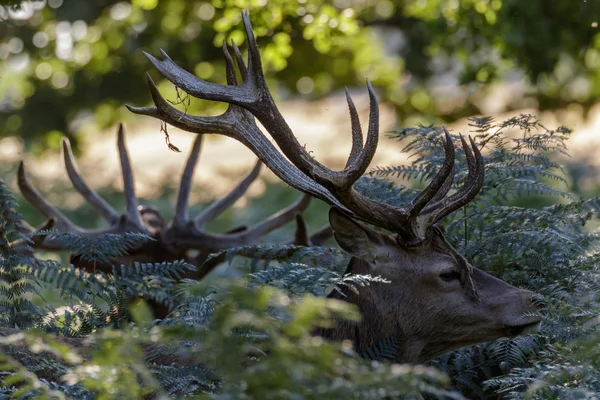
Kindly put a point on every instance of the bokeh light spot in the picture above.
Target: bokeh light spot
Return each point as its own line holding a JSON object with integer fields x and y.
{"x": 384, "y": 9}
{"x": 79, "y": 30}
{"x": 305, "y": 85}
{"x": 43, "y": 70}
{"x": 120, "y": 11}
{"x": 206, "y": 11}
{"x": 204, "y": 70}
{"x": 55, "y": 3}
{"x": 15, "y": 45}
{"x": 146, "y": 4}
{"x": 60, "y": 80}
{"x": 40, "y": 39}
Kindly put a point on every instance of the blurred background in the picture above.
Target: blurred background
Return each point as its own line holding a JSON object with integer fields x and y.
{"x": 68, "y": 67}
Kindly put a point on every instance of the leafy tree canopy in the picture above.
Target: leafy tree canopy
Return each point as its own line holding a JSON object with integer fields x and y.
{"x": 64, "y": 61}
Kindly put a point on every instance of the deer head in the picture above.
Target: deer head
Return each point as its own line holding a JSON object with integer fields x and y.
{"x": 436, "y": 301}
{"x": 174, "y": 240}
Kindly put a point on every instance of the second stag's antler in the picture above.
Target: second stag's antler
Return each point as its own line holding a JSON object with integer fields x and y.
{"x": 252, "y": 99}
{"x": 172, "y": 241}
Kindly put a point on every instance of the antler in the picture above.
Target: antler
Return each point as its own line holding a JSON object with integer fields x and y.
{"x": 182, "y": 234}
{"x": 294, "y": 164}
{"x": 189, "y": 233}
{"x": 128, "y": 222}
{"x": 318, "y": 238}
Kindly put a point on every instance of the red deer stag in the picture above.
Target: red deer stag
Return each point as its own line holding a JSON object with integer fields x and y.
{"x": 436, "y": 301}
{"x": 173, "y": 241}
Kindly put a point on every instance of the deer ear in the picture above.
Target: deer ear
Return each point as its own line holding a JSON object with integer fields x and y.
{"x": 354, "y": 238}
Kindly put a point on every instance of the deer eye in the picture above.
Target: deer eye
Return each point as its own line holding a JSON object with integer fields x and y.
{"x": 450, "y": 276}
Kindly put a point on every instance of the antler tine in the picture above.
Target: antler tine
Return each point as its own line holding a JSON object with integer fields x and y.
{"x": 229, "y": 67}
{"x": 318, "y": 238}
{"x": 237, "y": 124}
{"x": 217, "y": 207}
{"x": 357, "y": 136}
{"x": 301, "y": 233}
{"x": 433, "y": 189}
{"x": 131, "y": 201}
{"x": 443, "y": 191}
{"x": 356, "y": 167}
{"x": 37, "y": 200}
{"x": 197, "y": 87}
{"x": 82, "y": 187}
{"x": 240, "y": 60}
{"x": 468, "y": 191}
{"x": 185, "y": 186}
{"x": 254, "y": 60}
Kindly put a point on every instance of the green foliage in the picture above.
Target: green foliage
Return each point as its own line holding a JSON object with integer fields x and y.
{"x": 271, "y": 331}
{"x": 16, "y": 309}
{"x": 97, "y": 249}
{"x": 234, "y": 339}
{"x": 67, "y": 62}
{"x": 92, "y": 299}
{"x": 106, "y": 297}
{"x": 249, "y": 335}
{"x": 262, "y": 256}
{"x": 549, "y": 249}
{"x": 570, "y": 373}
{"x": 253, "y": 342}
{"x": 86, "y": 53}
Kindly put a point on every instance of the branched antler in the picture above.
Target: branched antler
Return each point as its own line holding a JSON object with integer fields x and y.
{"x": 130, "y": 221}
{"x": 173, "y": 240}
{"x": 252, "y": 99}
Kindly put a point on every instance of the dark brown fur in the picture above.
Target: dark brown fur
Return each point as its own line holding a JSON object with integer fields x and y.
{"x": 433, "y": 316}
